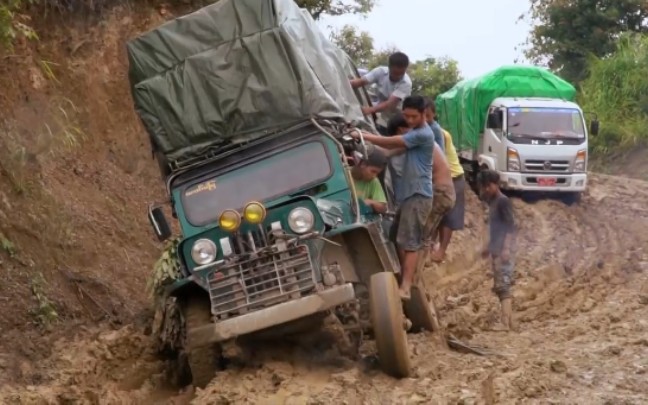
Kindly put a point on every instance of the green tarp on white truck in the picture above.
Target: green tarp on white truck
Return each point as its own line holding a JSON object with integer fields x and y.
{"x": 233, "y": 72}
{"x": 463, "y": 109}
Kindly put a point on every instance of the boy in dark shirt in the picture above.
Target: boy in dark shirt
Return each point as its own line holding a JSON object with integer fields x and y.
{"x": 500, "y": 243}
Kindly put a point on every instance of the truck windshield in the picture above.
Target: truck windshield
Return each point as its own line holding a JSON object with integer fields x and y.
{"x": 280, "y": 174}
{"x": 545, "y": 123}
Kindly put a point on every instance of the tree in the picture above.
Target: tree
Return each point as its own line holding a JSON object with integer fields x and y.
{"x": 617, "y": 90}
{"x": 358, "y": 45}
{"x": 431, "y": 76}
{"x": 318, "y": 8}
{"x": 566, "y": 32}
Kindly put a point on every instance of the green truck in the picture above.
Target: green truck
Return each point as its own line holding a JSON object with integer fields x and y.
{"x": 523, "y": 122}
{"x": 248, "y": 108}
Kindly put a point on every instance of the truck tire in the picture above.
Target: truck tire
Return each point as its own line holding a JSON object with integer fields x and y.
{"x": 203, "y": 361}
{"x": 388, "y": 325}
{"x": 421, "y": 311}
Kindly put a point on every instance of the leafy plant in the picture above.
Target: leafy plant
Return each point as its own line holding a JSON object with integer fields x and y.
{"x": 45, "y": 313}
{"x": 7, "y": 245}
{"x": 617, "y": 90}
{"x": 165, "y": 270}
{"x": 12, "y": 23}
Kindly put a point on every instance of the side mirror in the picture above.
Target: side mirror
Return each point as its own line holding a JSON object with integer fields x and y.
{"x": 159, "y": 223}
{"x": 594, "y": 127}
{"x": 494, "y": 120}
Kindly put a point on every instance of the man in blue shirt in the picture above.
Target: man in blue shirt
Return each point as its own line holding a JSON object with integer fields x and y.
{"x": 413, "y": 190}
{"x": 430, "y": 118}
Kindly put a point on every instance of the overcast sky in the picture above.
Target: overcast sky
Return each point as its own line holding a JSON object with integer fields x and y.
{"x": 480, "y": 34}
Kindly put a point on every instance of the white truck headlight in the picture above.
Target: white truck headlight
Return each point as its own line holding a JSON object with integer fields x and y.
{"x": 203, "y": 252}
{"x": 512, "y": 160}
{"x": 581, "y": 161}
{"x": 301, "y": 220}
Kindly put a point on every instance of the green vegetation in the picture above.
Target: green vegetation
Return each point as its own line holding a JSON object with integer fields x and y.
{"x": 566, "y": 33}
{"x": 12, "y": 22}
{"x": 617, "y": 90}
{"x": 45, "y": 314}
{"x": 165, "y": 270}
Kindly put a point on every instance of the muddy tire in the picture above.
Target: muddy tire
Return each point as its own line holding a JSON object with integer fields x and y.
{"x": 388, "y": 325}
{"x": 203, "y": 361}
{"x": 421, "y": 311}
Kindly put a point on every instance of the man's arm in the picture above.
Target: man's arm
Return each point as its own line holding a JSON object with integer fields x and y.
{"x": 369, "y": 78}
{"x": 387, "y": 142}
{"x": 376, "y": 198}
{"x": 506, "y": 212}
{"x": 359, "y": 82}
{"x": 390, "y": 103}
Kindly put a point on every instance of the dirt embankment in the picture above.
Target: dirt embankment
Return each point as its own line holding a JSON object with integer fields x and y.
{"x": 76, "y": 175}
{"x": 581, "y": 296}
{"x": 75, "y": 249}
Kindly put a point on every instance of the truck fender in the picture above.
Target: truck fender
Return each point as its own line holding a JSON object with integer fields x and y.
{"x": 488, "y": 161}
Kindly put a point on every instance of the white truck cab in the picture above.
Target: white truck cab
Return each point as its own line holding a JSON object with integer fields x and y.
{"x": 536, "y": 144}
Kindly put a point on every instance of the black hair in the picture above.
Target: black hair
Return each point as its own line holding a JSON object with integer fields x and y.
{"x": 398, "y": 59}
{"x": 414, "y": 102}
{"x": 395, "y": 123}
{"x": 429, "y": 103}
{"x": 488, "y": 177}
{"x": 376, "y": 157}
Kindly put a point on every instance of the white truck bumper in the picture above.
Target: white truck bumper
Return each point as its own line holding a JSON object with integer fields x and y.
{"x": 566, "y": 183}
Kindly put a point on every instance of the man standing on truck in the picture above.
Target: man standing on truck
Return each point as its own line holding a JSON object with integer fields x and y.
{"x": 500, "y": 243}
{"x": 430, "y": 117}
{"x": 413, "y": 192}
{"x": 365, "y": 178}
{"x": 393, "y": 86}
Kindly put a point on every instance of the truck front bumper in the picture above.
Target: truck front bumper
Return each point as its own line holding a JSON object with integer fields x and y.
{"x": 272, "y": 316}
{"x": 566, "y": 183}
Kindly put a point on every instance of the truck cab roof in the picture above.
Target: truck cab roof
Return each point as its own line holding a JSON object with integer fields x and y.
{"x": 508, "y": 102}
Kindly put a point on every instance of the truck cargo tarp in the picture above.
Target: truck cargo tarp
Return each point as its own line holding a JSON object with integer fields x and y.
{"x": 463, "y": 109}
{"x": 233, "y": 71}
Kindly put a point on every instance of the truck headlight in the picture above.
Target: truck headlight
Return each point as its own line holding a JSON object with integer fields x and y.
{"x": 301, "y": 220}
{"x": 230, "y": 220}
{"x": 581, "y": 160}
{"x": 254, "y": 212}
{"x": 203, "y": 252}
{"x": 512, "y": 160}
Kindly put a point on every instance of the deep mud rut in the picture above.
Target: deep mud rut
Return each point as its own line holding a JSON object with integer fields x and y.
{"x": 581, "y": 305}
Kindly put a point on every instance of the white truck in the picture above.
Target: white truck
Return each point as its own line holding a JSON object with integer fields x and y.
{"x": 522, "y": 122}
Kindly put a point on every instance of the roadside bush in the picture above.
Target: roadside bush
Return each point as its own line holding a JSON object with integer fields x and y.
{"x": 617, "y": 90}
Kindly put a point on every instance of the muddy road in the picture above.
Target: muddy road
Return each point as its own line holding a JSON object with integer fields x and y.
{"x": 581, "y": 305}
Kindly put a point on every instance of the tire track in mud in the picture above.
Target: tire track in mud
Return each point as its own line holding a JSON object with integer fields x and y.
{"x": 577, "y": 298}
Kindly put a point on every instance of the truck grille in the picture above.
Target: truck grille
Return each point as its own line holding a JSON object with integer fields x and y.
{"x": 257, "y": 281}
{"x": 546, "y": 166}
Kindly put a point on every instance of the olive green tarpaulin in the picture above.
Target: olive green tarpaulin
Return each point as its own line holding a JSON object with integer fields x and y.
{"x": 462, "y": 110}
{"x": 233, "y": 71}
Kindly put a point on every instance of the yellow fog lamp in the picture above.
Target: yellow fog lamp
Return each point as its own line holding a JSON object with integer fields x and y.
{"x": 230, "y": 220}
{"x": 254, "y": 212}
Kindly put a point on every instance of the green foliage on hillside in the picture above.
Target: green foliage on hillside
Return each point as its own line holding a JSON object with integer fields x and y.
{"x": 617, "y": 90}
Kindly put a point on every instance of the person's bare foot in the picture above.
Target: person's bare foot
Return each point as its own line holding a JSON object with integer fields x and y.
{"x": 437, "y": 256}
{"x": 499, "y": 327}
{"x": 405, "y": 295}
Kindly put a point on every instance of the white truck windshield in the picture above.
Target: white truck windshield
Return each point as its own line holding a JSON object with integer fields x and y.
{"x": 548, "y": 123}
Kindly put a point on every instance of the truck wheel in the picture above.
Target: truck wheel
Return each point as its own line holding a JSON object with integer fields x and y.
{"x": 421, "y": 311}
{"x": 202, "y": 360}
{"x": 388, "y": 325}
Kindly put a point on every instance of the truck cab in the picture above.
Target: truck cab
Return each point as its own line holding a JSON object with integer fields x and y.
{"x": 536, "y": 144}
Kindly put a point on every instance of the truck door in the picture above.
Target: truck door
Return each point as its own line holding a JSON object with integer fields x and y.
{"x": 493, "y": 142}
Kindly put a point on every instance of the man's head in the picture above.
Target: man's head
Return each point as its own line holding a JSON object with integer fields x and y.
{"x": 371, "y": 167}
{"x": 397, "y": 125}
{"x": 414, "y": 111}
{"x": 488, "y": 184}
{"x": 398, "y": 63}
{"x": 430, "y": 110}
